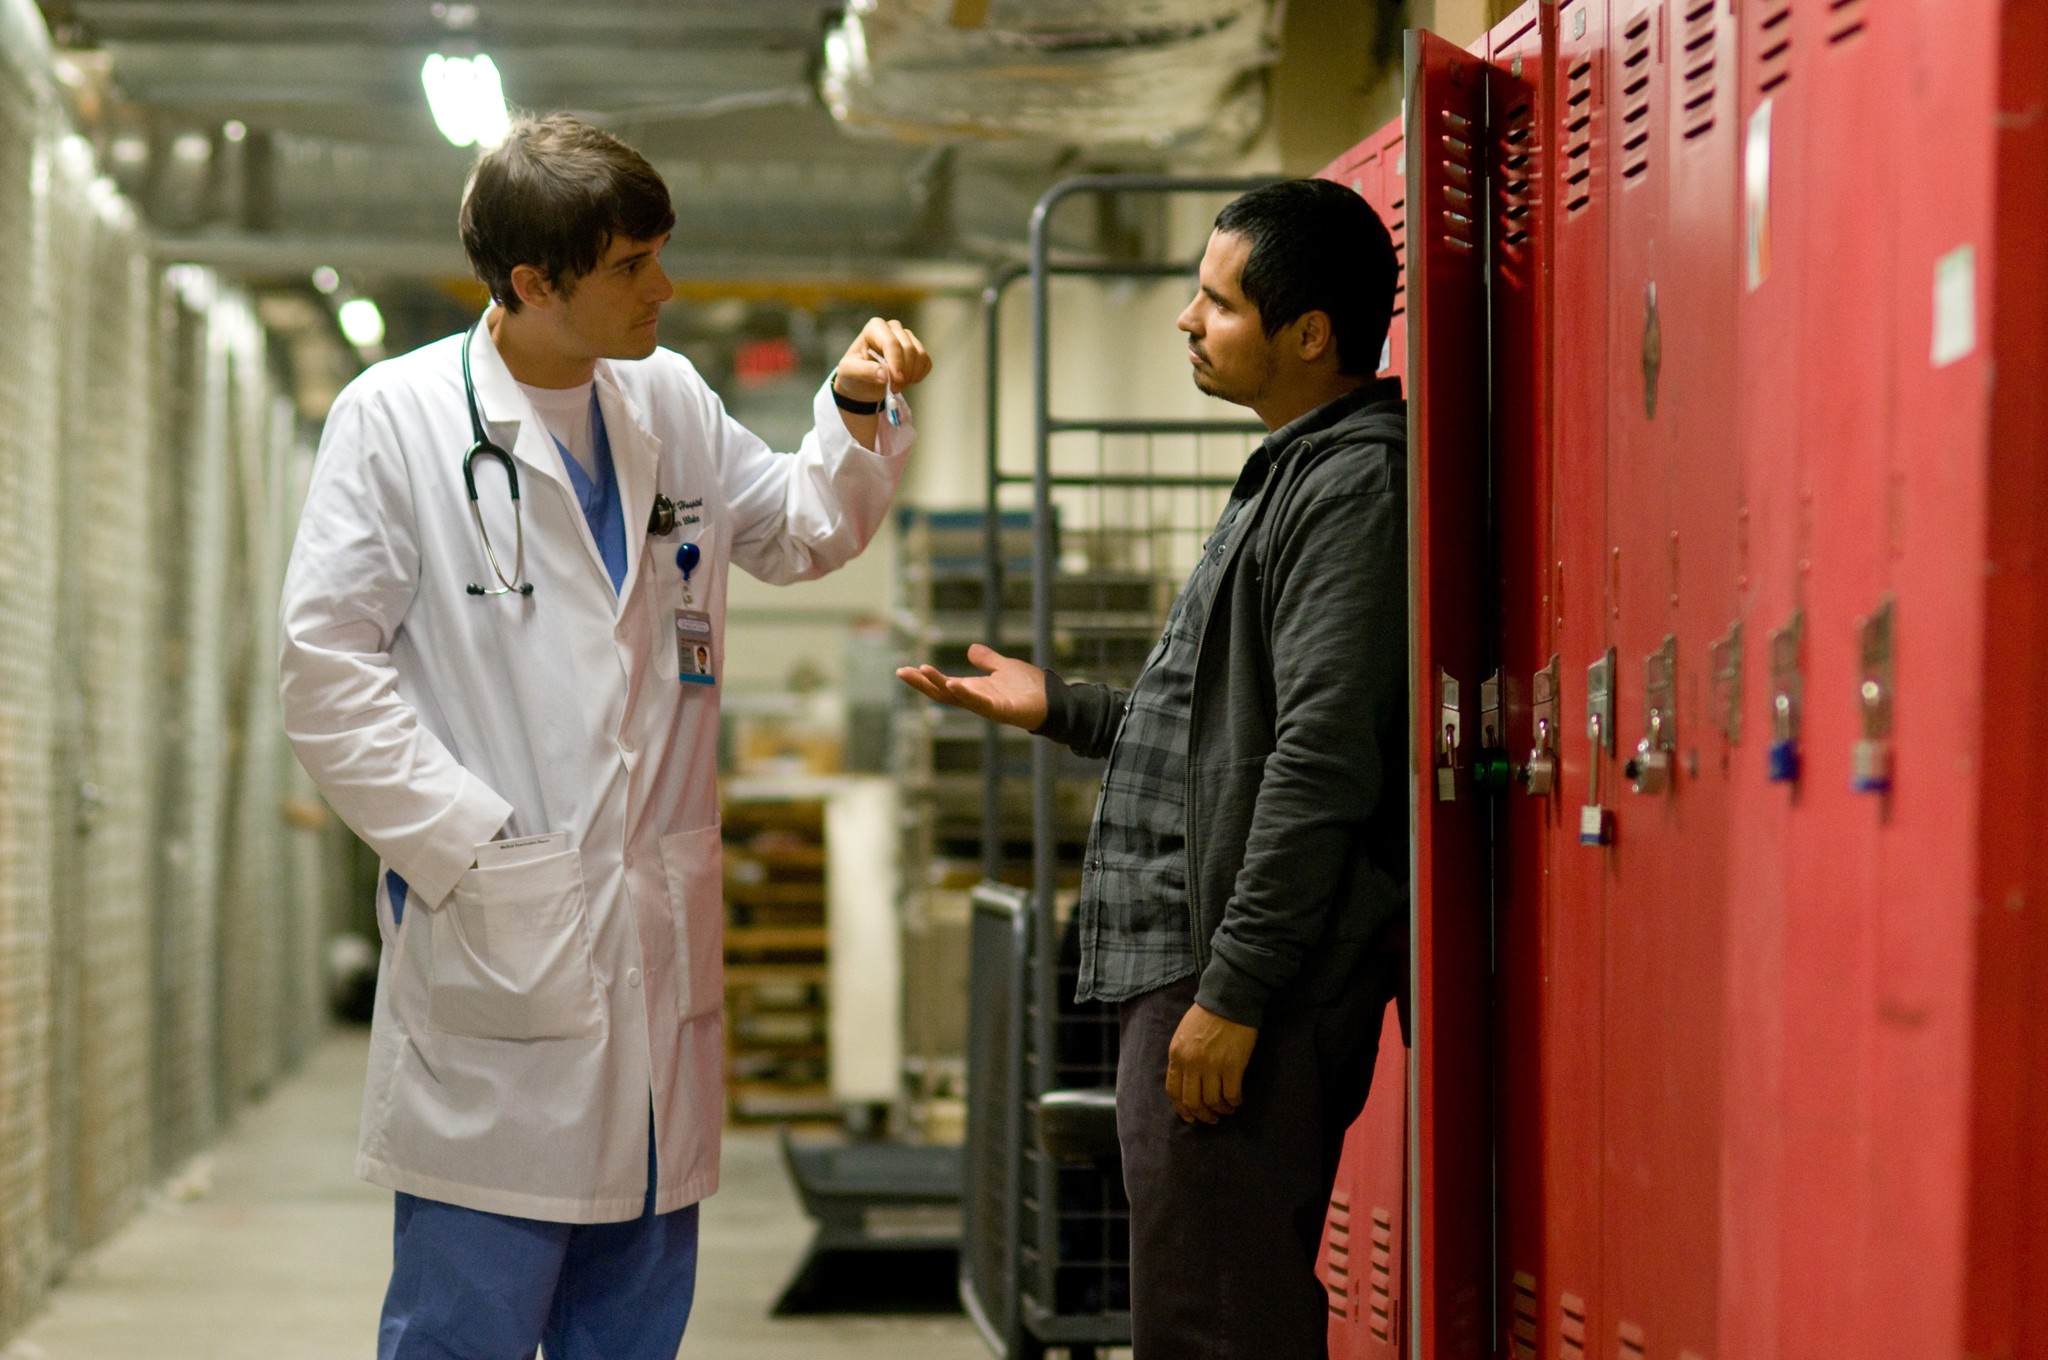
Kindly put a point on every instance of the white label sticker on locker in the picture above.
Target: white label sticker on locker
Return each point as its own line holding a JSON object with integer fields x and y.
{"x": 1955, "y": 305}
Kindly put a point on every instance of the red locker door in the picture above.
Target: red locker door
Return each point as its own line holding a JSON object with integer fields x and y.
{"x": 1363, "y": 1259}
{"x": 1846, "y": 424}
{"x": 2007, "y": 1264}
{"x": 1451, "y": 1208}
{"x": 1376, "y": 170}
{"x": 1639, "y": 485}
{"x": 1768, "y": 810}
{"x": 1363, "y": 1253}
{"x": 1574, "y": 1321}
{"x": 1671, "y": 525}
{"x": 1927, "y": 82}
{"x": 1520, "y": 123}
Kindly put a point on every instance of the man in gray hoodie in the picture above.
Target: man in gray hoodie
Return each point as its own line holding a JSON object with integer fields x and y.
{"x": 1244, "y": 897}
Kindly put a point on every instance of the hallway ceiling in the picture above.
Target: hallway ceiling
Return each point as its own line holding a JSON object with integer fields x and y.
{"x": 273, "y": 136}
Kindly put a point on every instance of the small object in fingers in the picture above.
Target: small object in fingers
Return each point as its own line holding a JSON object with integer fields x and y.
{"x": 889, "y": 405}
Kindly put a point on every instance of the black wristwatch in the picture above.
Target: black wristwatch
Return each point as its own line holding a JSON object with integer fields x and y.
{"x": 848, "y": 404}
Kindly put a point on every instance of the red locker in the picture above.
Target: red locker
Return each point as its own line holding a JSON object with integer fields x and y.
{"x": 1766, "y": 1066}
{"x": 1521, "y": 121}
{"x": 1574, "y": 1321}
{"x": 1768, "y": 811}
{"x": 1375, "y": 168}
{"x": 1451, "y": 1225}
{"x": 1929, "y": 521}
{"x": 1672, "y": 502}
{"x": 1822, "y": 556}
{"x": 2006, "y": 1262}
{"x": 1364, "y": 1255}
{"x": 1363, "y": 1258}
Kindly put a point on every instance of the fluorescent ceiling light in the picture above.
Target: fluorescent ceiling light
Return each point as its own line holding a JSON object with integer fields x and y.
{"x": 362, "y": 323}
{"x": 467, "y": 98}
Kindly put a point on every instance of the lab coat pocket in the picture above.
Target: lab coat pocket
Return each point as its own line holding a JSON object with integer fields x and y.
{"x": 511, "y": 954}
{"x": 695, "y": 861}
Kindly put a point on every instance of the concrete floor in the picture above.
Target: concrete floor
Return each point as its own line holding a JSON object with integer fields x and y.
{"x": 268, "y": 1248}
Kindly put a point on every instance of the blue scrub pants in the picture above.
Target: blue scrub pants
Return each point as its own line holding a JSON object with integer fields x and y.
{"x": 467, "y": 1285}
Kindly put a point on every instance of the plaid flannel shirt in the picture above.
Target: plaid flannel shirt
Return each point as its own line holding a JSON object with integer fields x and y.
{"x": 1133, "y": 910}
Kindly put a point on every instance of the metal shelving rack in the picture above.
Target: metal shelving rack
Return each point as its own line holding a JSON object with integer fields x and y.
{"x": 1120, "y": 507}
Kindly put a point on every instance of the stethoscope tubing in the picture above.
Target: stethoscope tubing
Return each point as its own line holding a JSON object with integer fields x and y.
{"x": 507, "y": 585}
{"x": 661, "y": 518}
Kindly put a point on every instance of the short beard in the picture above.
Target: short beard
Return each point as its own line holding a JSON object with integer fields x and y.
{"x": 1209, "y": 389}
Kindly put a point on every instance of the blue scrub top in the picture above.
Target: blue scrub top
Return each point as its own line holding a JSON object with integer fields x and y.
{"x": 599, "y": 497}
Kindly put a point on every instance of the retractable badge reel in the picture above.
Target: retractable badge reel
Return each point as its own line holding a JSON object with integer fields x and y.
{"x": 695, "y": 639}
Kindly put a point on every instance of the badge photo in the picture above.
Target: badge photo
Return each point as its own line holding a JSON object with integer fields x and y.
{"x": 695, "y": 664}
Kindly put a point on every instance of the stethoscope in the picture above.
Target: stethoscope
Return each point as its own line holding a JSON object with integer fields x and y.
{"x": 661, "y": 520}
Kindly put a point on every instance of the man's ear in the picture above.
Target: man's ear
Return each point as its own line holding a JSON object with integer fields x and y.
{"x": 1313, "y": 336}
{"x": 532, "y": 286}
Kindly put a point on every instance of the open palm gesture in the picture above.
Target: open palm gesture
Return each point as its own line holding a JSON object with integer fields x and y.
{"x": 1012, "y": 692}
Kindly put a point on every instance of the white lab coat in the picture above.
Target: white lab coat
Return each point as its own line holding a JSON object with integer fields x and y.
{"x": 527, "y": 1015}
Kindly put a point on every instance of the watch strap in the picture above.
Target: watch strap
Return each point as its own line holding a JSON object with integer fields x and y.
{"x": 848, "y": 404}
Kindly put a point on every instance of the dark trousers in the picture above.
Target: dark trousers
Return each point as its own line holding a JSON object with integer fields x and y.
{"x": 1226, "y": 1218}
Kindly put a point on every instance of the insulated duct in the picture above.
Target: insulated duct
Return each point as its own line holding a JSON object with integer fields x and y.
{"x": 1085, "y": 72}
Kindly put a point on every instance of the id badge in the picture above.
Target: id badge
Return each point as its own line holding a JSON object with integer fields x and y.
{"x": 695, "y": 663}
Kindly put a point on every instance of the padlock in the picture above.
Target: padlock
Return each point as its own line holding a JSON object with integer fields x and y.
{"x": 1446, "y": 784}
{"x": 1870, "y": 765}
{"x": 1539, "y": 776}
{"x": 1649, "y": 771}
{"x": 1781, "y": 762}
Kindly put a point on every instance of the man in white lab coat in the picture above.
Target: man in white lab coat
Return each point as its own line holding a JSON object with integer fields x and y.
{"x": 503, "y": 670}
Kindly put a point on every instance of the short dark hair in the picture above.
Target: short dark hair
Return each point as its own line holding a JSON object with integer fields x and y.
{"x": 1316, "y": 246}
{"x": 554, "y": 194}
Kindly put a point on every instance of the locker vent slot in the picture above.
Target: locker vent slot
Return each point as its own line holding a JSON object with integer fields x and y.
{"x": 1578, "y": 135}
{"x": 1571, "y": 1327}
{"x": 1380, "y": 1298}
{"x": 1637, "y": 79}
{"x": 1773, "y": 45}
{"x": 1459, "y": 214}
{"x": 1519, "y": 169}
{"x": 1633, "y": 1343}
{"x": 1397, "y": 219}
{"x": 1397, "y": 228}
{"x": 1845, "y": 20}
{"x": 1699, "y": 57}
{"x": 1339, "y": 1241}
{"x": 1523, "y": 1317}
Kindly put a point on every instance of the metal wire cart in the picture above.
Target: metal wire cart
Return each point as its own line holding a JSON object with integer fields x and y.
{"x": 1119, "y": 507}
